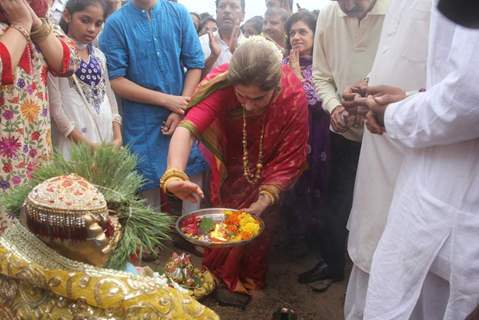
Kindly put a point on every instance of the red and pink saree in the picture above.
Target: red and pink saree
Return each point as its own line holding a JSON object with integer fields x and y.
{"x": 216, "y": 118}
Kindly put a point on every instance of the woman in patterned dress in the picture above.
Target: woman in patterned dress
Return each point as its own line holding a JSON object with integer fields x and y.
{"x": 83, "y": 107}
{"x": 28, "y": 50}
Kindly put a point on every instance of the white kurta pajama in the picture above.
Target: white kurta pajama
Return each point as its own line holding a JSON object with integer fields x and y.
{"x": 400, "y": 61}
{"x": 433, "y": 223}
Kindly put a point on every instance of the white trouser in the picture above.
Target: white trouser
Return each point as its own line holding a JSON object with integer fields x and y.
{"x": 153, "y": 198}
{"x": 430, "y": 306}
{"x": 189, "y": 206}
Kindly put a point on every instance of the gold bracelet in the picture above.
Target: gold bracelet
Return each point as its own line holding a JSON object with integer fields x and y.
{"x": 165, "y": 184}
{"x": 172, "y": 173}
{"x": 272, "y": 191}
{"x": 42, "y": 32}
{"x": 268, "y": 195}
{"x": 23, "y": 31}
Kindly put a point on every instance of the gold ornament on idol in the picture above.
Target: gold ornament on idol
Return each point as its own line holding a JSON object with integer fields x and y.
{"x": 252, "y": 178}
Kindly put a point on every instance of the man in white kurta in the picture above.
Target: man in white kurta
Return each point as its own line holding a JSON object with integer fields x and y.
{"x": 433, "y": 224}
{"x": 400, "y": 61}
{"x": 346, "y": 40}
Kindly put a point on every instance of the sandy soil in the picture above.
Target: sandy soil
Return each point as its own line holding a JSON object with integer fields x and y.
{"x": 282, "y": 290}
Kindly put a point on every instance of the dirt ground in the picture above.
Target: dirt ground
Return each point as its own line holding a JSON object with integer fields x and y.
{"x": 282, "y": 289}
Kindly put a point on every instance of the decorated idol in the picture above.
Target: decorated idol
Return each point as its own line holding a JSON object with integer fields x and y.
{"x": 52, "y": 261}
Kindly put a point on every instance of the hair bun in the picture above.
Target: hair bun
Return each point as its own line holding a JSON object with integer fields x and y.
{"x": 261, "y": 40}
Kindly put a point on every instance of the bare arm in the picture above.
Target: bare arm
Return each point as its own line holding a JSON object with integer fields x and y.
{"x": 15, "y": 37}
{"x": 50, "y": 46}
{"x": 215, "y": 51}
{"x": 178, "y": 153}
{"x": 52, "y": 50}
{"x": 15, "y": 43}
{"x": 180, "y": 147}
{"x": 193, "y": 77}
{"x": 117, "y": 138}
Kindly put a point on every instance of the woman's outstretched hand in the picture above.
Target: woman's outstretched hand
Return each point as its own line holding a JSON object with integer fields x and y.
{"x": 185, "y": 190}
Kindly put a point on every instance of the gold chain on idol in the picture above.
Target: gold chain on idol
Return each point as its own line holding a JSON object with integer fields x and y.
{"x": 252, "y": 178}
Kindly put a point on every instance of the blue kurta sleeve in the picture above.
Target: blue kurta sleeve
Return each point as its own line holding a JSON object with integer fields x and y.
{"x": 192, "y": 56}
{"x": 113, "y": 44}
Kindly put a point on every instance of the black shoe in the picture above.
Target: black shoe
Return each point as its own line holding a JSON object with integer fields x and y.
{"x": 307, "y": 274}
{"x": 319, "y": 272}
{"x": 322, "y": 285}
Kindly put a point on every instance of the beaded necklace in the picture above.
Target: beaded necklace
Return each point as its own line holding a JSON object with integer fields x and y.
{"x": 252, "y": 178}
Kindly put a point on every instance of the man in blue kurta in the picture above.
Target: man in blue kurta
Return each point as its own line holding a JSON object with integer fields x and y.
{"x": 154, "y": 60}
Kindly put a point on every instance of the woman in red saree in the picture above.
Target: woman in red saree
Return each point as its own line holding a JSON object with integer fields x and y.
{"x": 252, "y": 120}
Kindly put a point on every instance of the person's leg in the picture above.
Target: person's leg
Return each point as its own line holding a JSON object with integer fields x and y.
{"x": 356, "y": 294}
{"x": 333, "y": 235}
{"x": 295, "y": 213}
{"x": 153, "y": 198}
{"x": 343, "y": 178}
{"x": 226, "y": 266}
{"x": 433, "y": 300}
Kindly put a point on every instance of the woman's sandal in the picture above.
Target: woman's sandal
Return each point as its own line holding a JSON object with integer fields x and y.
{"x": 232, "y": 299}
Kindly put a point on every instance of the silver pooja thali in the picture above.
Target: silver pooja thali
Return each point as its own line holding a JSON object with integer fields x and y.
{"x": 217, "y": 215}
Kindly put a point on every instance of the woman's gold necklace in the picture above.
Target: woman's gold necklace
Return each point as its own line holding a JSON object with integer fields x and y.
{"x": 252, "y": 178}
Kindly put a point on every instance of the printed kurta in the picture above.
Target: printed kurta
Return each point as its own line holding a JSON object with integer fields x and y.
{"x": 218, "y": 122}
{"x": 25, "y": 135}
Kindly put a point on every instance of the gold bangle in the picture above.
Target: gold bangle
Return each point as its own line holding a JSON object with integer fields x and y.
{"x": 42, "y": 32}
{"x": 268, "y": 195}
{"x": 23, "y": 31}
{"x": 175, "y": 173}
{"x": 272, "y": 191}
{"x": 165, "y": 184}
{"x": 172, "y": 173}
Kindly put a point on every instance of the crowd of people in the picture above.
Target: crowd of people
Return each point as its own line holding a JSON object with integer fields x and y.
{"x": 356, "y": 123}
